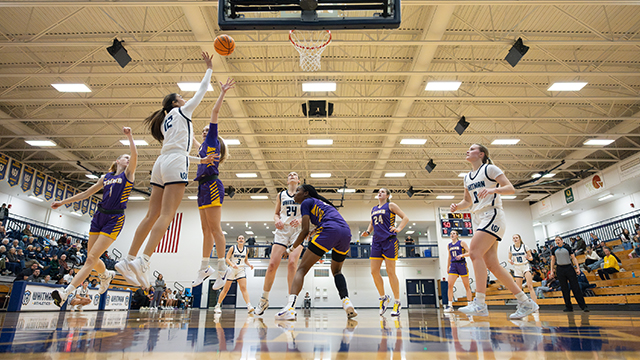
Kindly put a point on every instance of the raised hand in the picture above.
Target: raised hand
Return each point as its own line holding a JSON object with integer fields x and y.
{"x": 230, "y": 84}
{"x": 207, "y": 59}
{"x": 126, "y": 130}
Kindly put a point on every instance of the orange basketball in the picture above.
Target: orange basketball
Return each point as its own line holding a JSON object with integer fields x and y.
{"x": 224, "y": 45}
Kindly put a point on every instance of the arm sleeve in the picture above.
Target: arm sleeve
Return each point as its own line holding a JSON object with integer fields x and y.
{"x": 305, "y": 207}
{"x": 493, "y": 171}
{"x": 191, "y": 105}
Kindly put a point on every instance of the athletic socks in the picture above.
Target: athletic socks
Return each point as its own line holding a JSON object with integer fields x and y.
{"x": 221, "y": 265}
{"x": 450, "y": 304}
{"x": 292, "y": 301}
{"x": 146, "y": 258}
{"x": 265, "y": 295}
{"x": 341, "y": 285}
{"x": 522, "y": 297}
{"x": 130, "y": 258}
{"x": 204, "y": 264}
{"x": 480, "y": 298}
{"x": 396, "y": 300}
{"x": 69, "y": 289}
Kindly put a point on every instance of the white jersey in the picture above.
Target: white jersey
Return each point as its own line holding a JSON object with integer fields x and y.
{"x": 238, "y": 256}
{"x": 289, "y": 209}
{"x": 519, "y": 255}
{"x": 80, "y": 291}
{"x": 483, "y": 178}
{"x": 177, "y": 127}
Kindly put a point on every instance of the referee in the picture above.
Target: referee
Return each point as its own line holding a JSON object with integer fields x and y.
{"x": 563, "y": 256}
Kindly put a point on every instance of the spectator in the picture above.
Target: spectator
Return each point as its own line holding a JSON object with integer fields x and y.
{"x": 31, "y": 252}
{"x": 12, "y": 263}
{"x": 537, "y": 276}
{"x": 636, "y": 248}
{"x": 15, "y": 244}
{"x": 3, "y": 232}
{"x": 625, "y": 236}
{"x": 62, "y": 240}
{"x": 21, "y": 242}
{"x": 158, "y": 291}
{"x": 579, "y": 246}
{"x": 27, "y": 230}
{"x": 21, "y": 258}
{"x": 4, "y": 214}
{"x": 307, "y": 301}
{"x": 69, "y": 276}
{"x": 24, "y": 274}
{"x": 599, "y": 249}
{"x": 251, "y": 242}
{"x": 54, "y": 266}
{"x": 592, "y": 260}
{"x": 563, "y": 257}
{"x": 139, "y": 299}
{"x": 584, "y": 283}
{"x": 3, "y": 260}
{"x": 35, "y": 276}
{"x": 610, "y": 265}
{"x": 411, "y": 251}
{"x": 94, "y": 283}
{"x": 64, "y": 267}
{"x": 548, "y": 284}
{"x": 81, "y": 297}
{"x": 6, "y": 243}
{"x": 595, "y": 241}
{"x": 46, "y": 279}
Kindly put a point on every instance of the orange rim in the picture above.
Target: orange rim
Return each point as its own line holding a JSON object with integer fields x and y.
{"x": 311, "y": 47}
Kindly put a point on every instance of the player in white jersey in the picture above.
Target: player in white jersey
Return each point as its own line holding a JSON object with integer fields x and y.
{"x": 173, "y": 128}
{"x": 81, "y": 297}
{"x": 482, "y": 189}
{"x": 236, "y": 255}
{"x": 287, "y": 221}
{"x": 519, "y": 257}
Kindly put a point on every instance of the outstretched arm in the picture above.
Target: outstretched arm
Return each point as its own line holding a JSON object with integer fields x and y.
{"x": 223, "y": 90}
{"x": 81, "y": 196}
{"x": 130, "y": 171}
{"x": 191, "y": 105}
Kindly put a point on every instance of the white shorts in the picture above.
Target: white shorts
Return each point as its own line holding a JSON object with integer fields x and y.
{"x": 520, "y": 269}
{"x": 491, "y": 221}
{"x": 286, "y": 236}
{"x": 172, "y": 168}
{"x": 235, "y": 274}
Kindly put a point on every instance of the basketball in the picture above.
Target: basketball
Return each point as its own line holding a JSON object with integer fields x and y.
{"x": 224, "y": 45}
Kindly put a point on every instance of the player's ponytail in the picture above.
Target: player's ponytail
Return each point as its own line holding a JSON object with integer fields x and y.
{"x": 154, "y": 121}
{"x": 114, "y": 166}
{"x": 314, "y": 194}
{"x": 485, "y": 158}
{"x": 224, "y": 150}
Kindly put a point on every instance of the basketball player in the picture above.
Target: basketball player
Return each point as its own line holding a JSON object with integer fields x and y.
{"x": 332, "y": 233}
{"x": 211, "y": 195}
{"x": 80, "y": 297}
{"x": 107, "y": 220}
{"x": 482, "y": 189}
{"x": 457, "y": 265}
{"x": 519, "y": 257}
{"x": 235, "y": 272}
{"x": 287, "y": 219}
{"x": 171, "y": 126}
{"x": 385, "y": 247}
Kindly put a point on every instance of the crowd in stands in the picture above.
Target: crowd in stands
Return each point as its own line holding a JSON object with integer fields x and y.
{"x": 144, "y": 298}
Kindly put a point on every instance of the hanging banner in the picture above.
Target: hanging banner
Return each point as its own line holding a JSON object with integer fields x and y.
{"x": 595, "y": 184}
{"x": 77, "y": 204}
{"x": 38, "y": 186}
{"x": 568, "y": 196}
{"x": 27, "y": 178}
{"x": 4, "y": 164}
{"x": 59, "y": 191}
{"x": 85, "y": 206}
{"x": 49, "y": 188}
{"x": 68, "y": 194}
{"x": 93, "y": 206}
{"x": 14, "y": 173}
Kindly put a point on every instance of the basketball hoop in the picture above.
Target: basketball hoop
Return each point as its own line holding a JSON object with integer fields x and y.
{"x": 310, "y": 45}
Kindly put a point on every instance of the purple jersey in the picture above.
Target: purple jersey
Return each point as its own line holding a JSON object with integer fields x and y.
{"x": 117, "y": 189}
{"x": 456, "y": 249}
{"x": 382, "y": 219}
{"x": 321, "y": 213}
{"x": 210, "y": 146}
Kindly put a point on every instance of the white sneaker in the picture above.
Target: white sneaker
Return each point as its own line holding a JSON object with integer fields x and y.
{"x": 59, "y": 297}
{"x": 448, "y": 309}
{"x": 251, "y": 310}
{"x": 396, "y": 309}
{"x": 384, "y": 302}
{"x": 203, "y": 274}
{"x": 217, "y": 309}
{"x": 348, "y": 307}
{"x": 287, "y": 313}
{"x": 78, "y": 307}
{"x": 221, "y": 279}
{"x": 141, "y": 269}
{"x": 263, "y": 304}
{"x": 123, "y": 268}
{"x": 105, "y": 281}
{"x": 524, "y": 309}
{"x": 475, "y": 308}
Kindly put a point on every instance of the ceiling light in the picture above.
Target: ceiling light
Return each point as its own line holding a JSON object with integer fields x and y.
{"x": 273, "y": 232}
{"x": 537, "y": 224}
{"x": 247, "y": 175}
{"x": 320, "y": 175}
{"x": 192, "y": 197}
{"x": 319, "y": 141}
{"x": 598, "y": 142}
{"x": 40, "y": 142}
{"x": 259, "y": 197}
{"x": 443, "y": 85}
{"x": 536, "y": 175}
{"x": 231, "y": 227}
{"x": 267, "y": 228}
{"x": 505, "y": 141}
{"x": 410, "y": 227}
{"x": 232, "y": 141}
{"x": 389, "y": 174}
{"x": 71, "y": 87}
{"x": 445, "y": 197}
{"x": 192, "y": 86}
{"x": 92, "y": 176}
{"x": 566, "y": 213}
{"x": 347, "y": 190}
{"x": 248, "y": 232}
{"x": 550, "y": 175}
{"x": 35, "y": 198}
{"x": 136, "y": 198}
{"x": 414, "y": 224}
{"x": 265, "y": 224}
{"x": 224, "y": 232}
{"x": 137, "y": 142}
{"x": 409, "y": 232}
{"x": 413, "y": 141}
{"x": 603, "y": 198}
{"x": 567, "y": 86}
{"x": 318, "y": 86}
{"x": 462, "y": 174}
{"x": 508, "y": 197}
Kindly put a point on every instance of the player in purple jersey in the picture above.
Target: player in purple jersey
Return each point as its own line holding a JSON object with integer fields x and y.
{"x": 332, "y": 233}
{"x": 385, "y": 247}
{"x": 107, "y": 221}
{"x": 457, "y": 265}
{"x": 211, "y": 195}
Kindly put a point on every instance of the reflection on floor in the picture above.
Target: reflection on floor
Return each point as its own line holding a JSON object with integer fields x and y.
{"x": 318, "y": 334}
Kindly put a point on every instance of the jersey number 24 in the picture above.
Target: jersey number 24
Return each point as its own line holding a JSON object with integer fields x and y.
{"x": 292, "y": 211}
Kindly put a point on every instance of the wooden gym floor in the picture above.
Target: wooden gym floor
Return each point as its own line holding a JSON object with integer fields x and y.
{"x": 318, "y": 334}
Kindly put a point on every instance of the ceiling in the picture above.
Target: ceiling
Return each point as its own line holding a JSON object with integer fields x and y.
{"x": 380, "y": 97}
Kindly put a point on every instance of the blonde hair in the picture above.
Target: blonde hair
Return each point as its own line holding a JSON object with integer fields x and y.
{"x": 485, "y": 158}
{"x": 388, "y": 193}
{"x": 519, "y": 237}
{"x": 114, "y": 166}
{"x": 224, "y": 150}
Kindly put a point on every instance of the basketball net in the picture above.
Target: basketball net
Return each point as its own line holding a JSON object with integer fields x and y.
{"x": 310, "y": 45}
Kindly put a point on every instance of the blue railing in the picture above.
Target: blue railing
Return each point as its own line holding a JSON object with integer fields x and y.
{"x": 357, "y": 251}
{"x": 607, "y": 230}
{"x": 40, "y": 229}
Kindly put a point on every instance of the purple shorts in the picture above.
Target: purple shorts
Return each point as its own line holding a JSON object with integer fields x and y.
{"x": 106, "y": 224}
{"x": 458, "y": 268}
{"x": 336, "y": 237}
{"x": 386, "y": 249}
{"x": 210, "y": 194}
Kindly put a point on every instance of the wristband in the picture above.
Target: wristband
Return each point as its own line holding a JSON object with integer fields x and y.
{"x": 289, "y": 250}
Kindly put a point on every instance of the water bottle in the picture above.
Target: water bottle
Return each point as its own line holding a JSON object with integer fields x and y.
{"x": 633, "y": 274}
